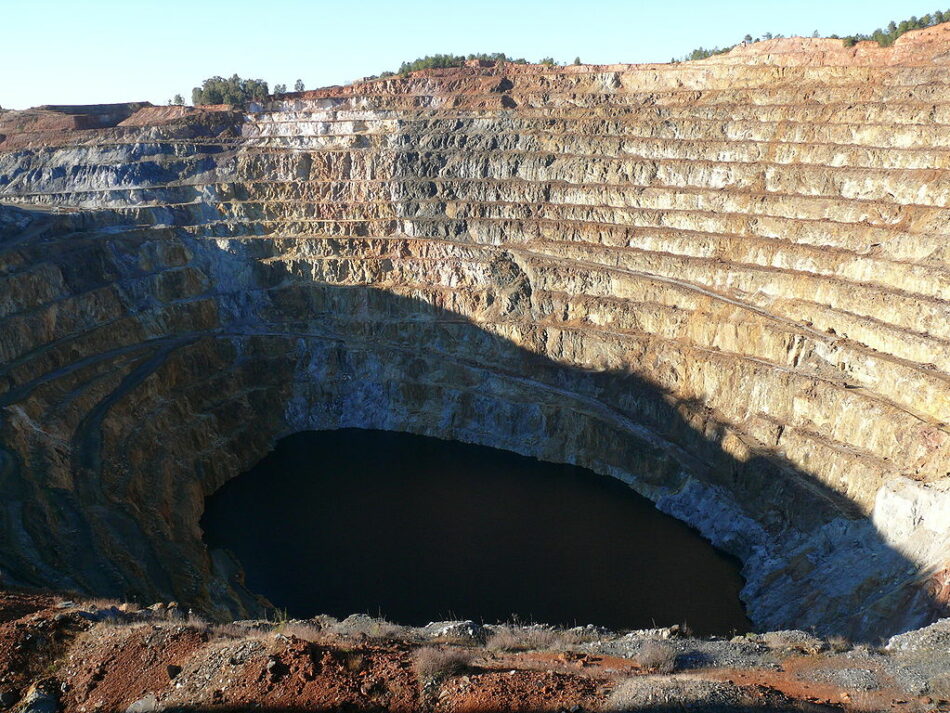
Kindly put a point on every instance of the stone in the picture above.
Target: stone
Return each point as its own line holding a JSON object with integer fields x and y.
{"x": 105, "y": 614}
{"x": 935, "y": 637}
{"x": 37, "y": 700}
{"x": 468, "y": 629}
{"x": 791, "y": 639}
{"x": 146, "y": 704}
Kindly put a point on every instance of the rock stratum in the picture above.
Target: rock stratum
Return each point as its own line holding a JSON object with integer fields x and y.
{"x": 725, "y": 282}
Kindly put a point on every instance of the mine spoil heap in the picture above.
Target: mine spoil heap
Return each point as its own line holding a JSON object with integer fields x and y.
{"x": 724, "y": 282}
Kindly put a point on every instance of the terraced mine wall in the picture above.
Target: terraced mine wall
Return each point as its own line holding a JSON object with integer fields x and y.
{"x": 724, "y": 282}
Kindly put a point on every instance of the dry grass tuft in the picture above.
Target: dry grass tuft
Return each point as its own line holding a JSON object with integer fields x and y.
{"x": 193, "y": 621}
{"x": 240, "y": 631}
{"x": 839, "y": 644}
{"x": 870, "y": 650}
{"x": 573, "y": 637}
{"x": 530, "y": 638}
{"x": 100, "y": 603}
{"x": 120, "y": 625}
{"x": 431, "y": 662}
{"x": 354, "y": 661}
{"x": 503, "y": 640}
{"x": 305, "y": 632}
{"x": 656, "y": 657}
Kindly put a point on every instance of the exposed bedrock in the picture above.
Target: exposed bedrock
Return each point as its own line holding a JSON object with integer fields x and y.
{"x": 724, "y": 282}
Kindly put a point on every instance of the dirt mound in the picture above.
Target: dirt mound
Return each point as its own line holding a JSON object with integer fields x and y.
{"x": 33, "y": 634}
{"x": 157, "y": 115}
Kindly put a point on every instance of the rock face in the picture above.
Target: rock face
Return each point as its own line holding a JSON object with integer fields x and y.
{"x": 724, "y": 282}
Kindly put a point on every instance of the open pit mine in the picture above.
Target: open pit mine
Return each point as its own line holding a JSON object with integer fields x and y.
{"x": 723, "y": 282}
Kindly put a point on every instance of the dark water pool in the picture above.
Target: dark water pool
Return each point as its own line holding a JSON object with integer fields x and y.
{"x": 419, "y": 529}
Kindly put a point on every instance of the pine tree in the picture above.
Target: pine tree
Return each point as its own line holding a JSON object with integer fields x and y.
{"x": 298, "y": 85}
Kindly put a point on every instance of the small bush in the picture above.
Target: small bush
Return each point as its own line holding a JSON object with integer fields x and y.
{"x": 305, "y": 632}
{"x": 657, "y": 657}
{"x": 503, "y": 640}
{"x": 839, "y": 644}
{"x": 431, "y": 662}
{"x": 869, "y": 650}
{"x": 354, "y": 661}
{"x": 194, "y": 621}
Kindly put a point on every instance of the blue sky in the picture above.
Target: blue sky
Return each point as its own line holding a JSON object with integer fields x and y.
{"x": 75, "y": 51}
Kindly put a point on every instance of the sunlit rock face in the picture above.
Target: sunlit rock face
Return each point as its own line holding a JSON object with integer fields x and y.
{"x": 724, "y": 282}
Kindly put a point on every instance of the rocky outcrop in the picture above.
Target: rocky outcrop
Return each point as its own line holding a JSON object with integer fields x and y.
{"x": 724, "y": 282}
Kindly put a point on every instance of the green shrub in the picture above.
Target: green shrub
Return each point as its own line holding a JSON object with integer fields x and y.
{"x": 234, "y": 91}
{"x": 441, "y": 61}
